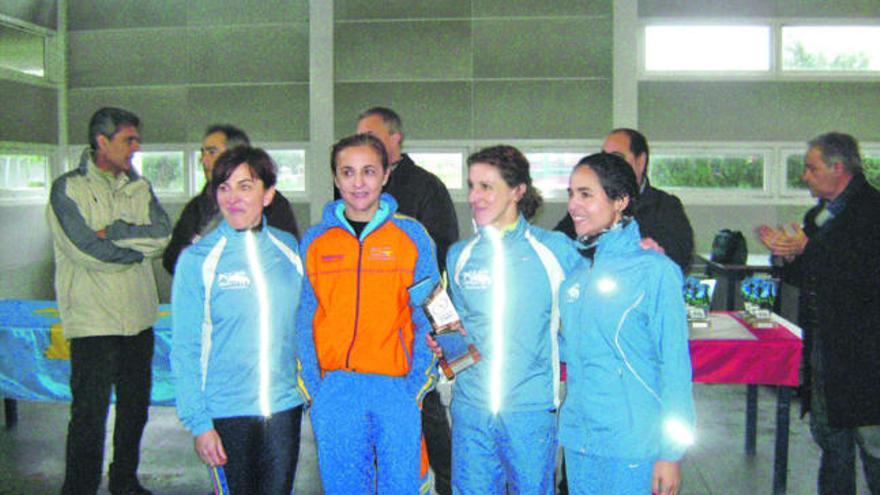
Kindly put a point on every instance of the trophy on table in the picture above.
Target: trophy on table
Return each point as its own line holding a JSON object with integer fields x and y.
{"x": 458, "y": 353}
{"x": 697, "y": 299}
{"x": 759, "y": 295}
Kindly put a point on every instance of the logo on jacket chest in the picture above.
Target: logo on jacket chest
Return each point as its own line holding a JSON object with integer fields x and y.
{"x": 476, "y": 279}
{"x": 380, "y": 253}
{"x": 233, "y": 280}
{"x": 573, "y": 292}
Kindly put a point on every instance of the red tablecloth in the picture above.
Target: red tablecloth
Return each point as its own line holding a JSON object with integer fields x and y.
{"x": 772, "y": 357}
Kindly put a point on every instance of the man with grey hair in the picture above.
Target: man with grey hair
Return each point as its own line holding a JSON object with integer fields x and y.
{"x": 201, "y": 214}
{"x": 107, "y": 225}
{"x": 834, "y": 261}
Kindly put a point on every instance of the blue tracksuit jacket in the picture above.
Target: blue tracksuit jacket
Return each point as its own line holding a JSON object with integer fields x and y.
{"x": 624, "y": 339}
{"x": 234, "y": 325}
{"x": 505, "y": 291}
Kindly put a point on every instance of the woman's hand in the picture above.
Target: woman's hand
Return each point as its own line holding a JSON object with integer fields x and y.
{"x": 666, "y": 479}
{"x": 209, "y": 448}
{"x": 435, "y": 347}
{"x": 649, "y": 243}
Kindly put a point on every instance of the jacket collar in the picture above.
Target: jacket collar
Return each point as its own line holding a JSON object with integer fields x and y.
{"x": 226, "y": 230}
{"x": 516, "y": 231}
{"x": 334, "y": 214}
{"x": 87, "y": 165}
{"x": 622, "y": 237}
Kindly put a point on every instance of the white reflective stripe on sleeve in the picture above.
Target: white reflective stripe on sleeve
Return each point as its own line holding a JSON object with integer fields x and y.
{"x": 556, "y": 275}
{"x": 463, "y": 258}
{"x": 263, "y": 302}
{"x": 209, "y": 270}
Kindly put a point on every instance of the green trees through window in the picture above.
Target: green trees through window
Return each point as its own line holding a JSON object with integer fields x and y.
{"x": 707, "y": 171}
{"x": 164, "y": 170}
{"x": 794, "y": 167}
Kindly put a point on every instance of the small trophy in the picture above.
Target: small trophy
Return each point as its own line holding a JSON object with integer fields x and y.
{"x": 458, "y": 354}
{"x": 758, "y": 295}
{"x": 698, "y": 298}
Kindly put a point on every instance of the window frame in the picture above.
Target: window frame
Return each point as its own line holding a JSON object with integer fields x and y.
{"x": 699, "y": 195}
{"x": 30, "y": 196}
{"x": 785, "y": 151}
{"x": 187, "y": 185}
{"x": 826, "y": 74}
{"x": 195, "y": 167}
{"x": 645, "y": 74}
{"x": 51, "y": 52}
{"x": 774, "y": 73}
{"x": 425, "y": 146}
{"x": 305, "y": 147}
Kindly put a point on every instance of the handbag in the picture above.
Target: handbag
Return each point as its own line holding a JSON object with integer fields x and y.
{"x": 729, "y": 248}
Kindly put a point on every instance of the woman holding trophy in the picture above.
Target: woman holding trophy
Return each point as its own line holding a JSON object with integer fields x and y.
{"x": 504, "y": 282}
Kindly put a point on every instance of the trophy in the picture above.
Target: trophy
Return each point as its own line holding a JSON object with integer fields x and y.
{"x": 458, "y": 354}
{"x": 697, "y": 299}
{"x": 758, "y": 295}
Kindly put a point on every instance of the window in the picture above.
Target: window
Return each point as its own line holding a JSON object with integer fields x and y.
{"x": 164, "y": 169}
{"x": 550, "y": 171}
{"x": 689, "y": 48}
{"x": 737, "y": 170}
{"x": 22, "y": 50}
{"x": 871, "y": 164}
{"x": 831, "y": 48}
{"x": 794, "y": 168}
{"x": 446, "y": 165}
{"x": 24, "y": 172}
{"x": 291, "y": 171}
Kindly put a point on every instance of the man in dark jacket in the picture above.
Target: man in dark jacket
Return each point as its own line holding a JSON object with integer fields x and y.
{"x": 201, "y": 214}
{"x": 422, "y": 195}
{"x": 834, "y": 261}
{"x": 661, "y": 216}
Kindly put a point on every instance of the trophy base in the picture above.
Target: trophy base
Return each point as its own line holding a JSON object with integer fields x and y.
{"x": 699, "y": 323}
{"x": 461, "y": 363}
{"x": 760, "y": 320}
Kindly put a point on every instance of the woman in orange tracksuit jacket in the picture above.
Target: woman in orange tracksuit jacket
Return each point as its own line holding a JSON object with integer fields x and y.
{"x": 365, "y": 361}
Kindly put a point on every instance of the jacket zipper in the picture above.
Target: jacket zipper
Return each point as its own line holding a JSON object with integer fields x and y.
{"x": 357, "y": 305}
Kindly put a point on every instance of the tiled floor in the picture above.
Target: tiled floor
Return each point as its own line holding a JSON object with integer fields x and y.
{"x": 32, "y": 454}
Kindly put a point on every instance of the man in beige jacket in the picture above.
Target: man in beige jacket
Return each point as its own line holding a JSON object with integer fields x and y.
{"x": 107, "y": 225}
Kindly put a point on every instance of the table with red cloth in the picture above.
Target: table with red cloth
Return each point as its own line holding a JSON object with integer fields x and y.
{"x": 732, "y": 351}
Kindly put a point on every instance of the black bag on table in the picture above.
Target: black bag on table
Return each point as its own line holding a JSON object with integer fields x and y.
{"x": 729, "y": 248}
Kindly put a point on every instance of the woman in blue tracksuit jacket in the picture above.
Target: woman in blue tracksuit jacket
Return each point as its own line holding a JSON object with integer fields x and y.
{"x": 234, "y": 302}
{"x": 628, "y": 415}
{"x": 503, "y": 281}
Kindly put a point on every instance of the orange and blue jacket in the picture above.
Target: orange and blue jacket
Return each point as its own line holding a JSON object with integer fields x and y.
{"x": 355, "y": 311}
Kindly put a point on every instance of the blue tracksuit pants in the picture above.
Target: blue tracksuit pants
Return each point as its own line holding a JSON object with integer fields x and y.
{"x": 590, "y": 474}
{"x": 508, "y": 452}
{"x": 368, "y": 434}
